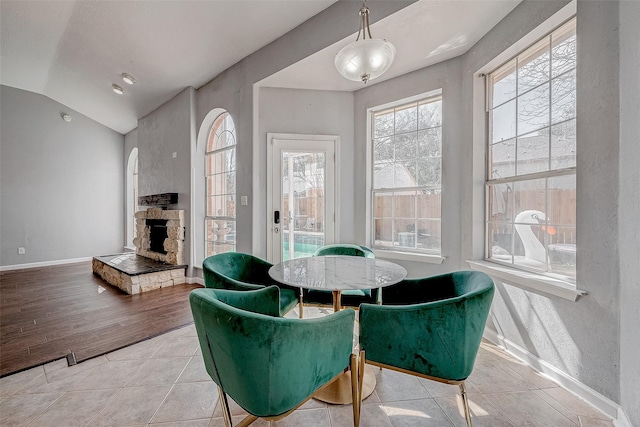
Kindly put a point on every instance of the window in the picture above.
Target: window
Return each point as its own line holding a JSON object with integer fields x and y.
{"x": 131, "y": 201}
{"x": 220, "y": 177}
{"x": 531, "y": 171}
{"x": 407, "y": 174}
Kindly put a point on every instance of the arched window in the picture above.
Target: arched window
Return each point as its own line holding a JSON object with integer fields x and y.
{"x": 220, "y": 185}
{"x": 132, "y": 196}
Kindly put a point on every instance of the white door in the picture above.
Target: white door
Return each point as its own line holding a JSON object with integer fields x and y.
{"x": 301, "y": 173}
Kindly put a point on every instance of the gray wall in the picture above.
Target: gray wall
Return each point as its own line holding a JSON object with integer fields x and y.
{"x": 60, "y": 197}
{"x": 165, "y": 131}
{"x": 316, "y": 113}
{"x": 629, "y": 198}
{"x": 233, "y": 90}
{"x": 556, "y": 330}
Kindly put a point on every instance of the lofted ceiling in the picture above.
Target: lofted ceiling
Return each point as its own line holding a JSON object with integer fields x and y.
{"x": 73, "y": 51}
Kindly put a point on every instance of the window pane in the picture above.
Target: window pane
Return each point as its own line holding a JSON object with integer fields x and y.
{"x": 404, "y": 174}
{"x": 503, "y": 159}
{"x": 428, "y": 234}
{"x": 406, "y": 146}
{"x": 503, "y": 122}
{"x": 406, "y": 119}
{"x": 430, "y": 115}
{"x": 562, "y": 256}
{"x": 429, "y": 171}
{"x": 430, "y": 142}
{"x": 533, "y": 153}
{"x": 533, "y": 109}
{"x": 504, "y": 83}
{"x": 383, "y": 124}
{"x": 230, "y": 159}
{"x": 405, "y": 233}
{"x": 530, "y": 223}
{"x": 404, "y": 203}
{"x": 563, "y": 145}
{"x": 500, "y": 238}
{"x": 563, "y": 51}
{"x": 383, "y": 232}
{"x": 501, "y": 202}
{"x": 562, "y": 201}
{"x": 382, "y": 205}
{"x": 429, "y": 204}
{"x": 383, "y": 149}
{"x": 383, "y": 175}
{"x": 533, "y": 66}
{"x": 563, "y": 97}
{"x": 529, "y": 196}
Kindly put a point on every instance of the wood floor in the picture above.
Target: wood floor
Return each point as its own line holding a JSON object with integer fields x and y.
{"x": 48, "y": 313}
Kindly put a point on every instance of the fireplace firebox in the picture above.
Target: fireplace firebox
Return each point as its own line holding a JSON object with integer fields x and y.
{"x": 157, "y": 234}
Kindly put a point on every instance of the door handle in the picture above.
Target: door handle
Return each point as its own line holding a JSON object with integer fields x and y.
{"x": 276, "y": 217}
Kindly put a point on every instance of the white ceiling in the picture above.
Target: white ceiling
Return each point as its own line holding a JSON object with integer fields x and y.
{"x": 72, "y": 51}
{"x": 424, "y": 33}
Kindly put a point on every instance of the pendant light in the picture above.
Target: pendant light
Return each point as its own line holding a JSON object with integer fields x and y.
{"x": 366, "y": 58}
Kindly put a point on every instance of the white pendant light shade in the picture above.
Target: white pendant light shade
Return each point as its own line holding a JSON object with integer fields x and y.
{"x": 365, "y": 60}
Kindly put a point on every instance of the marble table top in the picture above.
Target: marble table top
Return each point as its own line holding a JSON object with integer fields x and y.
{"x": 337, "y": 273}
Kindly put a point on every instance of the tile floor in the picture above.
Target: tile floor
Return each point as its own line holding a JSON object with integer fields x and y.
{"x": 162, "y": 382}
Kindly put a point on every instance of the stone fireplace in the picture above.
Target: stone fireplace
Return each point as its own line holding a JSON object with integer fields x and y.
{"x": 160, "y": 235}
{"x": 159, "y": 257}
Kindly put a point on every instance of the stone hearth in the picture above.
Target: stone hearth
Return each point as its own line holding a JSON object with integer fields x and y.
{"x": 135, "y": 274}
{"x": 158, "y": 260}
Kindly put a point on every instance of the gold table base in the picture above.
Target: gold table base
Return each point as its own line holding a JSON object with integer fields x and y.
{"x": 339, "y": 391}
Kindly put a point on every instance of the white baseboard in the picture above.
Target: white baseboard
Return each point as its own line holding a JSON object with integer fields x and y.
{"x": 44, "y": 264}
{"x": 622, "y": 420}
{"x": 196, "y": 280}
{"x": 595, "y": 399}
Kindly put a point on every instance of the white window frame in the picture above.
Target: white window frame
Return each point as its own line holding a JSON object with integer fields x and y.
{"x": 131, "y": 202}
{"x": 399, "y": 253}
{"x": 222, "y": 218}
{"x": 533, "y": 281}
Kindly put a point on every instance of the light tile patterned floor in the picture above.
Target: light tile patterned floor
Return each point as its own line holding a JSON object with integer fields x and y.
{"x": 162, "y": 382}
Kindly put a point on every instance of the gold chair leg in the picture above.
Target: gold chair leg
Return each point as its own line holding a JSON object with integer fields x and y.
{"x": 360, "y": 380}
{"x": 226, "y": 413}
{"x": 355, "y": 386}
{"x": 301, "y": 306}
{"x": 465, "y": 404}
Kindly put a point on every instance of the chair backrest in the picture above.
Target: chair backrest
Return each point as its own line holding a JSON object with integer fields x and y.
{"x": 345, "y": 249}
{"x": 435, "y": 329}
{"x": 246, "y": 268}
{"x": 267, "y": 364}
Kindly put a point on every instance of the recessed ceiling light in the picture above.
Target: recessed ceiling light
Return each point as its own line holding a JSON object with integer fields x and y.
{"x": 117, "y": 89}
{"x": 128, "y": 78}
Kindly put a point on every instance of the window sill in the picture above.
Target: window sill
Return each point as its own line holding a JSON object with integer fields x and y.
{"x": 529, "y": 281}
{"x": 408, "y": 256}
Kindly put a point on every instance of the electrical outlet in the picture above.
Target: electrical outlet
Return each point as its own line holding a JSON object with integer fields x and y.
{"x": 243, "y": 201}
{"x": 174, "y": 155}
{"x": 21, "y": 251}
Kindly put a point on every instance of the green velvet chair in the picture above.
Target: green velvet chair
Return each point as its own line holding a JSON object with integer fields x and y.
{"x": 243, "y": 272}
{"x": 352, "y": 298}
{"x": 267, "y": 364}
{"x": 429, "y": 327}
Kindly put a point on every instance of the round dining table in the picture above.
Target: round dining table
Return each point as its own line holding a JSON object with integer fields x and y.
{"x": 337, "y": 273}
